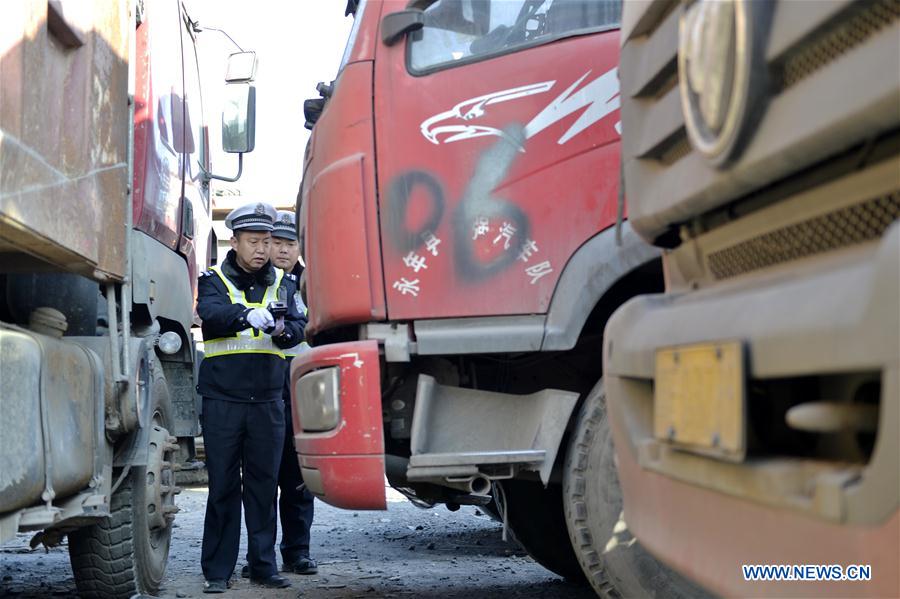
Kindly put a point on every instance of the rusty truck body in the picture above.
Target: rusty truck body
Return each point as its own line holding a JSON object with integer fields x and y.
{"x": 104, "y": 222}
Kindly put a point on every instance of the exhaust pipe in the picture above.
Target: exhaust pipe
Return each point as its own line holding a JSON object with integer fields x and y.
{"x": 480, "y": 485}
{"x": 396, "y": 469}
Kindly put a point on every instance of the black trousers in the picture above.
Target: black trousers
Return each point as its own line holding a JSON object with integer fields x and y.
{"x": 295, "y": 507}
{"x": 243, "y": 443}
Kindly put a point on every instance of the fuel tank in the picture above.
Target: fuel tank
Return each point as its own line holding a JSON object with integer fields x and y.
{"x": 50, "y": 391}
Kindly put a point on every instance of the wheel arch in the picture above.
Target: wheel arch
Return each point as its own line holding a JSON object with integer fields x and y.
{"x": 602, "y": 276}
{"x": 590, "y": 279}
{"x": 161, "y": 288}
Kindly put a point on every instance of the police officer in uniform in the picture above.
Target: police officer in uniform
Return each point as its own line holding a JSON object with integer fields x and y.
{"x": 241, "y": 380}
{"x": 295, "y": 502}
{"x": 295, "y": 506}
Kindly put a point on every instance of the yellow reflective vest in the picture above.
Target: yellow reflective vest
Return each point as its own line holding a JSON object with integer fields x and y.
{"x": 250, "y": 340}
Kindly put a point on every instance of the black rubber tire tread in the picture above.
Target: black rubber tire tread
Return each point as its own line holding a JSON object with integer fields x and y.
{"x": 113, "y": 558}
{"x": 537, "y": 522}
{"x": 593, "y": 506}
{"x": 102, "y": 554}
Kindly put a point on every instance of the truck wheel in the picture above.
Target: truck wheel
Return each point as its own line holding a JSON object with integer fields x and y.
{"x": 613, "y": 561}
{"x": 126, "y": 553}
{"x": 536, "y": 520}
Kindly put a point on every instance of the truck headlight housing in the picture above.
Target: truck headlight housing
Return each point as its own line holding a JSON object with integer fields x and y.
{"x": 318, "y": 399}
{"x": 169, "y": 343}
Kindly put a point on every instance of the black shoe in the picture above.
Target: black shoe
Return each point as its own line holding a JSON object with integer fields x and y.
{"x": 215, "y": 586}
{"x": 245, "y": 572}
{"x": 304, "y": 565}
{"x": 272, "y": 582}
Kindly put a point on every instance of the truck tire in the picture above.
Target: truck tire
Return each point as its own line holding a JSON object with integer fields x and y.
{"x": 613, "y": 561}
{"x": 536, "y": 520}
{"x": 126, "y": 553}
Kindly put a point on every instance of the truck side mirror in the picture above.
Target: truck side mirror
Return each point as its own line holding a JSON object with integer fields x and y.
{"x": 239, "y": 118}
{"x": 396, "y": 25}
{"x": 241, "y": 67}
{"x": 312, "y": 110}
{"x": 238, "y": 111}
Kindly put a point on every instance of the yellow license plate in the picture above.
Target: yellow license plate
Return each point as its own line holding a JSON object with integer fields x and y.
{"x": 699, "y": 398}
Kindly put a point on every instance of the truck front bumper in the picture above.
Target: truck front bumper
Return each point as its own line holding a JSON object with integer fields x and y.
{"x": 707, "y": 516}
{"x": 336, "y": 411}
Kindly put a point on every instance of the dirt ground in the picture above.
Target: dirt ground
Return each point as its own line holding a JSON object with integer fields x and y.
{"x": 403, "y": 552}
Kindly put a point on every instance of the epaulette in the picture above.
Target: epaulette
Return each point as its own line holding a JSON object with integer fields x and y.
{"x": 291, "y": 276}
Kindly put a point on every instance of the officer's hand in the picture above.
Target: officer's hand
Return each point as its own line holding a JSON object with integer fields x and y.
{"x": 260, "y": 318}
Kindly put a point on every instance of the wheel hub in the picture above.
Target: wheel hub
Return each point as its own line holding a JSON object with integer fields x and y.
{"x": 161, "y": 489}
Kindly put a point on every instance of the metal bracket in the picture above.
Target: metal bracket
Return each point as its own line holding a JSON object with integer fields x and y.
{"x": 461, "y": 432}
{"x": 396, "y": 338}
{"x": 208, "y": 176}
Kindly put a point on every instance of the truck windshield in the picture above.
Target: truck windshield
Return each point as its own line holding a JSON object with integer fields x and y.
{"x": 458, "y": 31}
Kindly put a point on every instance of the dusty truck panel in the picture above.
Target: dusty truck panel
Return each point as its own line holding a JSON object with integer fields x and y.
{"x": 769, "y": 172}
{"x": 63, "y": 136}
{"x": 21, "y": 451}
{"x": 671, "y": 181}
{"x": 97, "y": 398}
{"x": 51, "y": 442}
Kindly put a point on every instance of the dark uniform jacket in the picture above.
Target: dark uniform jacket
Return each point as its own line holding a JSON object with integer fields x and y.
{"x": 243, "y": 377}
{"x": 296, "y": 271}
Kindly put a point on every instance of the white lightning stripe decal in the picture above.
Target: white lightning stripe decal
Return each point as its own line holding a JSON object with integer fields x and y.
{"x": 600, "y": 96}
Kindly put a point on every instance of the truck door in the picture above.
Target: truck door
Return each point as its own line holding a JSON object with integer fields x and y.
{"x": 497, "y": 151}
{"x": 159, "y": 144}
{"x": 196, "y": 223}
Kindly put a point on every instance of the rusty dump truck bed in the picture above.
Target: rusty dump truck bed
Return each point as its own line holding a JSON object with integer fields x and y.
{"x": 64, "y": 123}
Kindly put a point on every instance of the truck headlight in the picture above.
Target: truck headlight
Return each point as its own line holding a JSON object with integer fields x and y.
{"x": 169, "y": 343}
{"x": 318, "y": 399}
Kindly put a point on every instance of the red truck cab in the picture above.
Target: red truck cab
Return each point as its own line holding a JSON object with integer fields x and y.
{"x": 458, "y": 215}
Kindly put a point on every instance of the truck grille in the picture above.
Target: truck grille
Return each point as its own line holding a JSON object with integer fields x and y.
{"x": 832, "y": 47}
{"x": 841, "y": 228}
{"x": 869, "y": 20}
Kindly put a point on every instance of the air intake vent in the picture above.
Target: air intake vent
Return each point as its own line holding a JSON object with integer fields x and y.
{"x": 851, "y": 31}
{"x": 841, "y": 228}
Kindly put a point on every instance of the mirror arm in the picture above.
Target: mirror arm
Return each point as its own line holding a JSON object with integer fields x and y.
{"x": 197, "y": 28}
{"x": 209, "y": 176}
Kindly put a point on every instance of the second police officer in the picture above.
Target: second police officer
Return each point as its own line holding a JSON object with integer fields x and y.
{"x": 295, "y": 502}
{"x": 241, "y": 381}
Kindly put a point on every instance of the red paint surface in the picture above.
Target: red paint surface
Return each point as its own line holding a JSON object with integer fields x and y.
{"x": 342, "y": 239}
{"x": 159, "y": 113}
{"x": 360, "y": 428}
{"x": 351, "y": 482}
{"x": 567, "y": 192}
{"x": 355, "y": 238}
{"x": 167, "y": 122}
{"x": 351, "y": 457}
